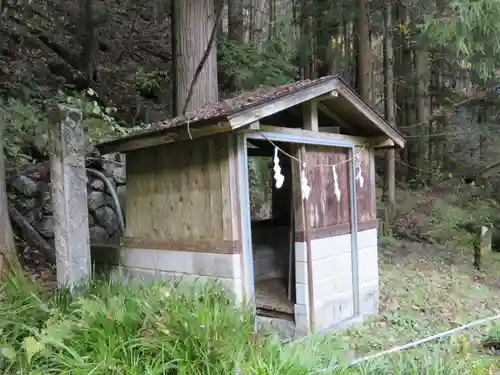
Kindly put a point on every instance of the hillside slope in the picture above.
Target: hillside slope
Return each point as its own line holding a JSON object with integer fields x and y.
{"x": 40, "y": 53}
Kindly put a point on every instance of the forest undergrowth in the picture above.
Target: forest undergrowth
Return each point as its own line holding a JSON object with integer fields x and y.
{"x": 128, "y": 328}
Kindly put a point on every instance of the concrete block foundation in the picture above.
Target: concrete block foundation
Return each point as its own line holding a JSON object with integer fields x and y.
{"x": 155, "y": 265}
{"x": 337, "y": 280}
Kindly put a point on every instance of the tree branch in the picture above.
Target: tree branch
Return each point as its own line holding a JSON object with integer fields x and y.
{"x": 158, "y": 54}
{"x": 126, "y": 46}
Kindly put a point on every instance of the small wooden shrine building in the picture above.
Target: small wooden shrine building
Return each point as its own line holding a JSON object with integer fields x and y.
{"x": 313, "y": 260}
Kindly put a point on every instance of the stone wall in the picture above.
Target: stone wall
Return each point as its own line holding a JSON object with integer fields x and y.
{"x": 29, "y": 191}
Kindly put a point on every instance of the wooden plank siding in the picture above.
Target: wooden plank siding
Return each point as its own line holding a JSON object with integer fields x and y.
{"x": 366, "y": 195}
{"x": 323, "y": 209}
{"x": 184, "y": 194}
{"x": 327, "y": 216}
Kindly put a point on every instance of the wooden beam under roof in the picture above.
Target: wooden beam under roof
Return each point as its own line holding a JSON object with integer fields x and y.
{"x": 310, "y": 115}
{"x": 171, "y": 135}
{"x": 375, "y": 142}
{"x": 328, "y": 90}
{"x": 257, "y": 112}
{"x": 373, "y": 116}
{"x": 341, "y": 122}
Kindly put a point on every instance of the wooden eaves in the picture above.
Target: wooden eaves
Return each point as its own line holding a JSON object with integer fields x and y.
{"x": 249, "y": 116}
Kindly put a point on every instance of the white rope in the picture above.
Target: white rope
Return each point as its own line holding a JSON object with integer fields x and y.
{"x": 354, "y": 157}
{"x": 418, "y": 342}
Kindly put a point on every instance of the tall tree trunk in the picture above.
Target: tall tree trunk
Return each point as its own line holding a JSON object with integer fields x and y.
{"x": 410, "y": 120}
{"x": 439, "y": 139}
{"x": 348, "y": 60}
{"x": 305, "y": 42}
{"x": 482, "y": 123}
{"x": 325, "y": 28}
{"x": 272, "y": 20}
{"x": 403, "y": 94}
{"x": 409, "y": 113}
{"x": 195, "y": 22}
{"x": 434, "y": 89}
{"x": 364, "y": 55}
{"x": 236, "y": 25}
{"x": 421, "y": 113}
{"x": 90, "y": 39}
{"x": 220, "y": 27}
{"x": 173, "y": 70}
{"x": 251, "y": 24}
{"x": 389, "y": 109}
{"x": 8, "y": 255}
{"x": 258, "y": 19}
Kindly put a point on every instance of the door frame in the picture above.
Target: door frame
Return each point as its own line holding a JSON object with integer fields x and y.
{"x": 244, "y": 188}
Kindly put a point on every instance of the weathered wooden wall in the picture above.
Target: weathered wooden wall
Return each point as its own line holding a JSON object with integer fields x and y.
{"x": 366, "y": 195}
{"x": 328, "y": 216}
{"x": 184, "y": 196}
{"x": 323, "y": 208}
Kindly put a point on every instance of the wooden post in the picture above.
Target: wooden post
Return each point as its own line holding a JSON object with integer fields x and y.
{"x": 310, "y": 115}
{"x": 482, "y": 246}
{"x": 382, "y": 227}
{"x": 69, "y": 195}
{"x": 307, "y": 238}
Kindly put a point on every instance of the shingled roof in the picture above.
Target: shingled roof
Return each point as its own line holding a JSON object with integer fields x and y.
{"x": 225, "y": 110}
{"x": 240, "y": 102}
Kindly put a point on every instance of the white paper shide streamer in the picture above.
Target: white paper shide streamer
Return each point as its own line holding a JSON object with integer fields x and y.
{"x": 336, "y": 183}
{"x": 278, "y": 176}
{"x": 359, "y": 176}
{"x": 304, "y": 186}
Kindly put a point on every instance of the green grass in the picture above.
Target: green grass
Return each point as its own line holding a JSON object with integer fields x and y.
{"x": 423, "y": 293}
{"x": 128, "y": 328}
{"x": 431, "y": 288}
{"x": 120, "y": 329}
